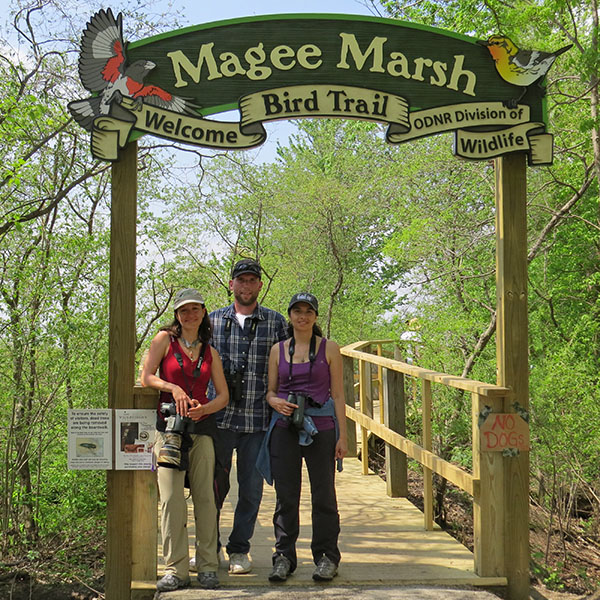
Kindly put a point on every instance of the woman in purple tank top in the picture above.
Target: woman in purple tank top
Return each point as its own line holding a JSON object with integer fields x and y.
{"x": 306, "y": 370}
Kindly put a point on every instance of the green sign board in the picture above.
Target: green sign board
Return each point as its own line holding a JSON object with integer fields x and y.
{"x": 417, "y": 80}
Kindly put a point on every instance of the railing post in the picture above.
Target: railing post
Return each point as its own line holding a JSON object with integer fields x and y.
{"x": 380, "y": 383}
{"x": 427, "y": 473}
{"x": 393, "y": 411}
{"x": 366, "y": 408}
{"x": 348, "y": 374}
{"x": 144, "y": 507}
{"x": 488, "y": 502}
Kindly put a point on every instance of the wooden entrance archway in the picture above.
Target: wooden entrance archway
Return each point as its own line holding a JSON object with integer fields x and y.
{"x": 354, "y": 67}
{"x": 509, "y": 492}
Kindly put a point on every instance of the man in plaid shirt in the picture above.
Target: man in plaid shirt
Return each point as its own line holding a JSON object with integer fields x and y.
{"x": 243, "y": 334}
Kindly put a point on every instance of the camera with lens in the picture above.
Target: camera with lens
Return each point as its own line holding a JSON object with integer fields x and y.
{"x": 234, "y": 385}
{"x": 174, "y": 452}
{"x": 302, "y": 400}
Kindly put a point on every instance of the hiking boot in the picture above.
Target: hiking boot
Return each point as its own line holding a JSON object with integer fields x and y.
{"x": 326, "y": 569}
{"x": 281, "y": 569}
{"x": 171, "y": 582}
{"x": 239, "y": 563}
{"x": 208, "y": 580}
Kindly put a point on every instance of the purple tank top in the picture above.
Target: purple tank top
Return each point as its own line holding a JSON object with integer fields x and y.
{"x": 314, "y": 383}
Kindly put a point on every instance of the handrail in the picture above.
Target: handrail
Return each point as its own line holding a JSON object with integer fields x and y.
{"x": 451, "y": 472}
{"x": 454, "y": 381}
{"x": 483, "y": 484}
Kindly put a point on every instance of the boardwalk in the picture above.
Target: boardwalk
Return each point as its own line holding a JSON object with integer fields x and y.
{"x": 382, "y": 542}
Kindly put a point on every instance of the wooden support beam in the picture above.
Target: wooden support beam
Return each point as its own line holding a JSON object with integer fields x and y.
{"x": 348, "y": 370}
{"x": 394, "y": 417}
{"x": 121, "y": 369}
{"x": 144, "y": 506}
{"x": 488, "y": 504}
{"x": 426, "y": 400}
{"x": 512, "y": 355}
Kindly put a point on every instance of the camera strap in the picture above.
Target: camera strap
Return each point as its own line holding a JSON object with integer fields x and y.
{"x": 312, "y": 354}
{"x": 197, "y": 369}
{"x": 251, "y": 336}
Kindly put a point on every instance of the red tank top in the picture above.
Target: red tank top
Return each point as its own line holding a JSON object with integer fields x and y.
{"x": 171, "y": 371}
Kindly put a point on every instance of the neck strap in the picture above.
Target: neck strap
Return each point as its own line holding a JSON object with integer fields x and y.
{"x": 312, "y": 355}
{"x": 226, "y": 356}
{"x": 197, "y": 369}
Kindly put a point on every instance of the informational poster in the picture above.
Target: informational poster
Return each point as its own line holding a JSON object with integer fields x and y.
{"x": 90, "y": 439}
{"x": 134, "y": 438}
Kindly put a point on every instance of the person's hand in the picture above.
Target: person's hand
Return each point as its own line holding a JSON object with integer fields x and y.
{"x": 283, "y": 406}
{"x": 341, "y": 448}
{"x": 182, "y": 401}
{"x": 197, "y": 410}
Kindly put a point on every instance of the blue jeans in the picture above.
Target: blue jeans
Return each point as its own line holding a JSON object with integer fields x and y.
{"x": 250, "y": 484}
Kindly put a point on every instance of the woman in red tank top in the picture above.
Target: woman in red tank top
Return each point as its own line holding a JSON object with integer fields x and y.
{"x": 185, "y": 431}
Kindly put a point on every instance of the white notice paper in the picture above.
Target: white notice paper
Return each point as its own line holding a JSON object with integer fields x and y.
{"x": 90, "y": 438}
{"x": 134, "y": 438}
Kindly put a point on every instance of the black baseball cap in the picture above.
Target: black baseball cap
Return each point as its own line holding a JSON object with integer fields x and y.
{"x": 304, "y": 297}
{"x": 246, "y": 265}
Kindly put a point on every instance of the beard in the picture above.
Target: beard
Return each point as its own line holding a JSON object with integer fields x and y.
{"x": 246, "y": 298}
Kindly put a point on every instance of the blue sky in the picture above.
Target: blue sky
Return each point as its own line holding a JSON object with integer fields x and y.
{"x": 216, "y": 10}
{"x": 203, "y": 11}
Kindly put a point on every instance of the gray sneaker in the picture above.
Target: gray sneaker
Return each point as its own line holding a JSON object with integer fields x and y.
{"x": 171, "y": 582}
{"x": 208, "y": 580}
{"x": 281, "y": 569}
{"x": 239, "y": 563}
{"x": 326, "y": 570}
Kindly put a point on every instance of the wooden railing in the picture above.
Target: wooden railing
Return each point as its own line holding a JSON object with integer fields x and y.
{"x": 485, "y": 481}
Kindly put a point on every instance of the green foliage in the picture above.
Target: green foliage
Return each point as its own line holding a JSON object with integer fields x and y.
{"x": 396, "y": 242}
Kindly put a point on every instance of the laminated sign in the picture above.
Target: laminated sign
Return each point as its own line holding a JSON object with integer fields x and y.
{"x": 416, "y": 80}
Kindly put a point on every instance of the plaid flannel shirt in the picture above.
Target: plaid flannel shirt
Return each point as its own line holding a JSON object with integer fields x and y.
{"x": 253, "y": 414}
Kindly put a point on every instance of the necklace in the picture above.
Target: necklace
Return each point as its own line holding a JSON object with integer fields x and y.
{"x": 190, "y": 345}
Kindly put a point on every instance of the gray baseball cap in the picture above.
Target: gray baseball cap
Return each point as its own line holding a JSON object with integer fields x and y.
{"x": 187, "y": 296}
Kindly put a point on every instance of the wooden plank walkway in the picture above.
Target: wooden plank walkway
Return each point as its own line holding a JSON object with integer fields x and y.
{"x": 382, "y": 540}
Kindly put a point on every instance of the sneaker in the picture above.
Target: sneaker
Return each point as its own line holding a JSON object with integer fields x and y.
{"x": 281, "y": 569}
{"x": 208, "y": 580}
{"x": 326, "y": 570}
{"x": 193, "y": 564}
{"x": 239, "y": 563}
{"x": 171, "y": 582}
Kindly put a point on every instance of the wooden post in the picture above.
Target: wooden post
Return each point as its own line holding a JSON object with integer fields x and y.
{"x": 363, "y": 378}
{"x": 488, "y": 501}
{"x": 427, "y": 444}
{"x": 348, "y": 368}
{"x": 380, "y": 383}
{"x": 512, "y": 355}
{"x": 144, "y": 507}
{"x": 121, "y": 369}
{"x": 394, "y": 416}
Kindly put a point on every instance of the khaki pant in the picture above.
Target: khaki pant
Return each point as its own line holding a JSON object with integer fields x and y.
{"x": 174, "y": 509}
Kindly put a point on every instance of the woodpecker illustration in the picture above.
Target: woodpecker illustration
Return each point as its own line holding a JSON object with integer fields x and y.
{"x": 519, "y": 67}
{"x": 105, "y": 72}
